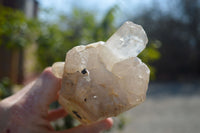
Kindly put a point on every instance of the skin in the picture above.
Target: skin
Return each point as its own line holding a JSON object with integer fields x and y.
{"x": 28, "y": 110}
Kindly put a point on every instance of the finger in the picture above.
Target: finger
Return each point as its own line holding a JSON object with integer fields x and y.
{"x": 50, "y": 85}
{"x": 56, "y": 114}
{"x": 93, "y": 128}
{"x": 44, "y": 90}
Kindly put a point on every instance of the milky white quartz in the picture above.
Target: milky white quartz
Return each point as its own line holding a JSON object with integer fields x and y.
{"x": 104, "y": 79}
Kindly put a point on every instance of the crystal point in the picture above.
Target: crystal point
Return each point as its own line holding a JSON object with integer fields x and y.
{"x": 128, "y": 41}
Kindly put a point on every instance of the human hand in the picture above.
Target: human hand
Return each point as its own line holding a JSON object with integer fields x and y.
{"x": 27, "y": 110}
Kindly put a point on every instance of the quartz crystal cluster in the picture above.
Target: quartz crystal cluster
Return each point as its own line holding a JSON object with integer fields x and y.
{"x": 104, "y": 79}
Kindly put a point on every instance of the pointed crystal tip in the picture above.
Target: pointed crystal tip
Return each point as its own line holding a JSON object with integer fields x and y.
{"x": 129, "y": 40}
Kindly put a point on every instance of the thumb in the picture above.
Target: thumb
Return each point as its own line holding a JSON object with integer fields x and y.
{"x": 43, "y": 91}
{"x": 49, "y": 85}
{"x": 93, "y": 128}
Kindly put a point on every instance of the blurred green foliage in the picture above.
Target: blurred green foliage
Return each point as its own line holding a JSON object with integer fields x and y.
{"x": 5, "y": 88}
{"x": 149, "y": 55}
{"x": 16, "y": 31}
{"x": 122, "y": 122}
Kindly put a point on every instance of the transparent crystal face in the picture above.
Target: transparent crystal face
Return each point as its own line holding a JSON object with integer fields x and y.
{"x": 129, "y": 40}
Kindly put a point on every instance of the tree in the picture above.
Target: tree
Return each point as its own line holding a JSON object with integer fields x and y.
{"x": 178, "y": 30}
{"x": 16, "y": 32}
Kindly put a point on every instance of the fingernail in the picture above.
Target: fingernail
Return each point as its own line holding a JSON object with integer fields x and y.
{"x": 108, "y": 123}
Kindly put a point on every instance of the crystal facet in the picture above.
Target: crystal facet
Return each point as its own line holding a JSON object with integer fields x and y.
{"x": 129, "y": 40}
{"x": 101, "y": 80}
{"x": 57, "y": 69}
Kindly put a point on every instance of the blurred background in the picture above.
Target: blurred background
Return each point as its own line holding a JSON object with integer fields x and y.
{"x": 36, "y": 33}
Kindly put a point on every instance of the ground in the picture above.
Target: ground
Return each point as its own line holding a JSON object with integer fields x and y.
{"x": 169, "y": 108}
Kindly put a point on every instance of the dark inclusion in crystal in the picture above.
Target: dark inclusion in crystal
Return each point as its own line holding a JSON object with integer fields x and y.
{"x": 84, "y": 71}
{"x": 85, "y": 99}
{"x": 77, "y": 115}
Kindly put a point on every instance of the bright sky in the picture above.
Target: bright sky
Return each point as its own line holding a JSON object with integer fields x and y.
{"x": 126, "y": 7}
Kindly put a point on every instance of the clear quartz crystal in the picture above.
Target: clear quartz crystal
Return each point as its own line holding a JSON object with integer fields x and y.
{"x": 129, "y": 40}
{"x": 102, "y": 80}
